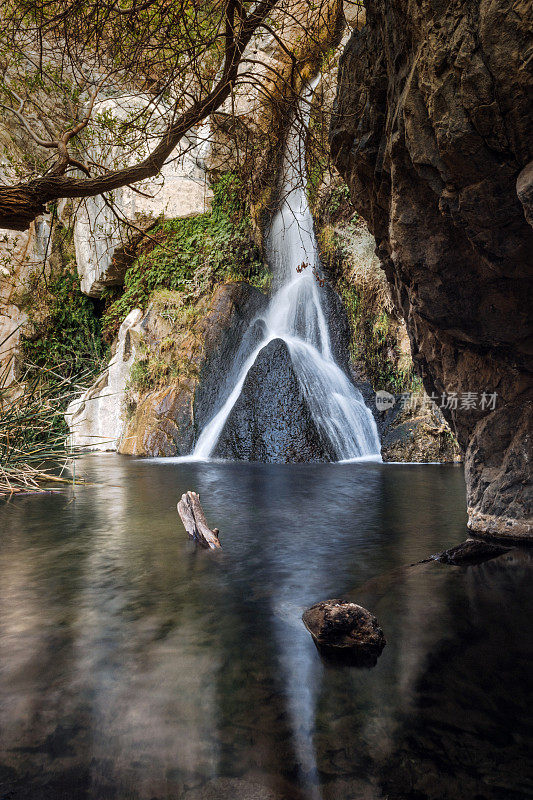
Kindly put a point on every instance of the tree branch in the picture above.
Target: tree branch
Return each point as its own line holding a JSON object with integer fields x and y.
{"x": 21, "y": 204}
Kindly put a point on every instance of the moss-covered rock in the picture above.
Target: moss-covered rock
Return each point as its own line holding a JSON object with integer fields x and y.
{"x": 379, "y": 348}
{"x": 178, "y": 350}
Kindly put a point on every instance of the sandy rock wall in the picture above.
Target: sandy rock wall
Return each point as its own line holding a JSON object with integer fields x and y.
{"x": 21, "y": 254}
{"x": 95, "y": 419}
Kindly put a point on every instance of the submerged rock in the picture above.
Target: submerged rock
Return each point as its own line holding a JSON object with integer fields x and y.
{"x": 472, "y": 551}
{"x": 234, "y": 788}
{"x": 271, "y": 421}
{"x": 345, "y": 631}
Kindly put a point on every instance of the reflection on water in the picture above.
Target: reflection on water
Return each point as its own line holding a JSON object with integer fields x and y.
{"x": 133, "y": 666}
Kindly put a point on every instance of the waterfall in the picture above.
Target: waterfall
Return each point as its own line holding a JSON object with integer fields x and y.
{"x": 295, "y": 315}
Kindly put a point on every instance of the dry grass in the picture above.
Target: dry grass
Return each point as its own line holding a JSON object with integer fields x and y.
{"x": 33, "y": 448}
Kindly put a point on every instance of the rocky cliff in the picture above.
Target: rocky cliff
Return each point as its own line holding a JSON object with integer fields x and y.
{"x": 433, "y": 131}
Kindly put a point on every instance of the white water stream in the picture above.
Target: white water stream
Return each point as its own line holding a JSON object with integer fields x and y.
{"x": 296, "y": 316}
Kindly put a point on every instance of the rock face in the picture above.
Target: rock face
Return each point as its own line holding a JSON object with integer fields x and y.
{"x": 418, "y": 433}
{"x": 346, "y": 629}
{"x": 433, "y": 132}
{"x": 163, "y": 421}
{"x": 271, "y": 421}
{"x": 21, "y": 254}
{"x": 115, "y": 414}
{"x": 180, "y": 190}
{"x": 95, "y": 419}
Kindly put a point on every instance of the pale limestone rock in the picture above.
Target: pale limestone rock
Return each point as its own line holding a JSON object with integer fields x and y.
{"x": 95, "y": 419}
{"x": 21, "y": 253}
{"x": 180, "y": 190}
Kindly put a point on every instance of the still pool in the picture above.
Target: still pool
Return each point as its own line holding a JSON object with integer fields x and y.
{"x": 134, "y": 666}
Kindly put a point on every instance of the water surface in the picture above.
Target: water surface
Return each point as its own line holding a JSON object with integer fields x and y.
{"x": 134, "y": 666}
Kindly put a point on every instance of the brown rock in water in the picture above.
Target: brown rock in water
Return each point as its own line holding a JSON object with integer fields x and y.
{"x": 192, "y": 355}
{"x": 345, "y": 631}
{"x": 433, "y": 131}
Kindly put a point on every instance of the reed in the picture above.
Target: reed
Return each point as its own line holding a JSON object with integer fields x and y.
{"x": 34, "y": 451}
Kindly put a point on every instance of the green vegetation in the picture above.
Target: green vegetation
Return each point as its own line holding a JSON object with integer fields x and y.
{"x": 190, "y": 255}
{"x": 65, "y": 329}
{"x": 374, "y": 341}
{"x": 61, "y": 351}
{"x": 33, "y": 448}
{"x": 168, "y": 358}
{"x": 67, "y": 332}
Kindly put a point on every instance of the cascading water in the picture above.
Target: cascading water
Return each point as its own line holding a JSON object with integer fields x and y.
{"x": 296, "y": 316}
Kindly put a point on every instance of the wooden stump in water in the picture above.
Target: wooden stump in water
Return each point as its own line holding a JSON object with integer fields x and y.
{"x": 193, "y": 518}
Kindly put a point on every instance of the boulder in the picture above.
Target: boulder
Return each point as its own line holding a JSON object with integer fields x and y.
{"x": 231, "y": 335}
{"x": 271, "y": 420}
{"x": 345, "y": 631}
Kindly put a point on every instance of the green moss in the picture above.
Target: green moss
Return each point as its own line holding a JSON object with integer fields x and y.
{"x": 139, "y": 377}
{"x": 190, "y": 255}
{"x": 374, "y": 342}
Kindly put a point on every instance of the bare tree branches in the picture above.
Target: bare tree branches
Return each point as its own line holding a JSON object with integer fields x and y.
{"x": 20, "y": 204}
{"x": 181, "y": 60}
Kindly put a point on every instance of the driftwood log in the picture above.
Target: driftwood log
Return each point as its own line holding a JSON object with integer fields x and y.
{"x": 193, "y": 518}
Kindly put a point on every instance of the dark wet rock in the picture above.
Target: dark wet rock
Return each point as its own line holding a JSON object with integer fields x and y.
{"x": 339, "y": 327}
{"x": 232, "y": 789}
{"x": 417, "y": 433}
{"x": 524, "y": 190}
{"x": 271, "y": 420}
{"x": 345, "y": 631}
{"x": 230, "y": 337}
{"x": 472, "y": 551}
{"x": 433, "y": 131}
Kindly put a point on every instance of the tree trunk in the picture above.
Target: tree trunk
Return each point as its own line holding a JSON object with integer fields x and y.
{"x": 193, "y": 518}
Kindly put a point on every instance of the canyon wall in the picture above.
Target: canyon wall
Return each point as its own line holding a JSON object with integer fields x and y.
{"x": 433, "y": 133}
